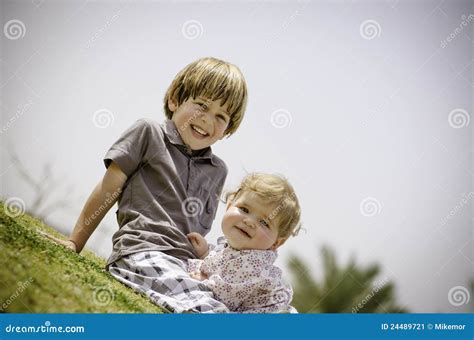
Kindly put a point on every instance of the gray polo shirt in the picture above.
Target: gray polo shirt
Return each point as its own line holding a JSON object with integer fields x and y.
{"x": 168, "y": 193}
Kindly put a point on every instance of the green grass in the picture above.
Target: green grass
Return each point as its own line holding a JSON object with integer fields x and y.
{"x": 39, "y": 276}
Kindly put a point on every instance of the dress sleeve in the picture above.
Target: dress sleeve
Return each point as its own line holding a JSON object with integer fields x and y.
{"x": 194, "y": 265}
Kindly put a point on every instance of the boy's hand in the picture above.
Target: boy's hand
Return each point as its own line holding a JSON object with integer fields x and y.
{"x": 199, "y": 244}
{"x": 68, "y": 244}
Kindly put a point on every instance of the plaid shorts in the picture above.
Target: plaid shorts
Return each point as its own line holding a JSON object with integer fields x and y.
{"x": 165, "y": 281}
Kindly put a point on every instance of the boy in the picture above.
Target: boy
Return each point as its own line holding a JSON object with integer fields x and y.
{"x": 167, "y": 182}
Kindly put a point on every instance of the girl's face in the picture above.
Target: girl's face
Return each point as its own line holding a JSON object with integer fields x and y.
{"x": 246, "y": 224}
{"x": 200, "y": 122}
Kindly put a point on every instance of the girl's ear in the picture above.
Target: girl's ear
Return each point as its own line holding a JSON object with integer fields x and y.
{"x": 278, "y": 243}
{"x": 172, "y": 104}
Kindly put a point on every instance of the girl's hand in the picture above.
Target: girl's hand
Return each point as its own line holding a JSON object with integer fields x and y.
{"x": 66, "y": 243}
{"x": 198, "y": 276}
{"x": 199, "y": 244}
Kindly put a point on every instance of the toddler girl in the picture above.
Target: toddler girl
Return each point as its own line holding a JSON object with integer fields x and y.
{"x": 260, "y": 216}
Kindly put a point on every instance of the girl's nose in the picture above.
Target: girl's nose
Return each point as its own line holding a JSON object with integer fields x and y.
{"x": 250, "y": 222}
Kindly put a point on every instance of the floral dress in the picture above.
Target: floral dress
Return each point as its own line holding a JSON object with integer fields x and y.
{"x": 246, "y": 281}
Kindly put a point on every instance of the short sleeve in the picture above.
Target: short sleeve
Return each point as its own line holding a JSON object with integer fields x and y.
{"x": 130, "y": 149}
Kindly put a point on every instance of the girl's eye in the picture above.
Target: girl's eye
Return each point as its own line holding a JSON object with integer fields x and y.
{"x": 264, "y": 223}
{"x": 243, "y": 209}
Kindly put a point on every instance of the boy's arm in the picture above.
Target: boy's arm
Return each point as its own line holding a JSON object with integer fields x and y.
{"x": 102, "y": 198}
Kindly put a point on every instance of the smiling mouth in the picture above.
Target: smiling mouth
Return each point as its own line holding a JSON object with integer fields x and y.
{"x": 199, "y": 131}
{"x": 243, "y": 232}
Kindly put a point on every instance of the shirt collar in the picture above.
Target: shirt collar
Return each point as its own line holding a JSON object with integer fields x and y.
{"x": 174, "y": 137}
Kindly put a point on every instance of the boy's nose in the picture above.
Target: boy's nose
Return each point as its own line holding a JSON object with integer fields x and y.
{"x": 204, "y": 116}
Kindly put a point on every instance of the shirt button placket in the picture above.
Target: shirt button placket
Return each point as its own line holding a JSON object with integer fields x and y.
{"x": 191, "y": 176}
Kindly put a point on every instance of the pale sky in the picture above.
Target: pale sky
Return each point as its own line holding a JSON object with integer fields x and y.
{"x": 364, "y": 106}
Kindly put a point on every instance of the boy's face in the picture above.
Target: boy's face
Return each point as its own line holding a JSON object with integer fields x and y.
{"x": 246, "y": 224}
{"x": 200, "y": 122}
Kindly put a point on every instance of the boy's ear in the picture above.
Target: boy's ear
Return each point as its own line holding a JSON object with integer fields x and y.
{"x": 278, "y": 243}
{"x": 172, "y": 104}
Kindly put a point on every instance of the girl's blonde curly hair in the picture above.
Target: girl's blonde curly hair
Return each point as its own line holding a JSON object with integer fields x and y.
{"x": 276, "y": 190}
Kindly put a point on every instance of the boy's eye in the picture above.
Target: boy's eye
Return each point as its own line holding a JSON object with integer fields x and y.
{"x": 202, "y": 106}
{"x": 221, "y": 117}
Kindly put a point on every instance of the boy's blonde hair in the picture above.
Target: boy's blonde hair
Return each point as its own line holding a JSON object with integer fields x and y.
{"x": 212, "y": 79}
{"x": 273, "y": 189}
